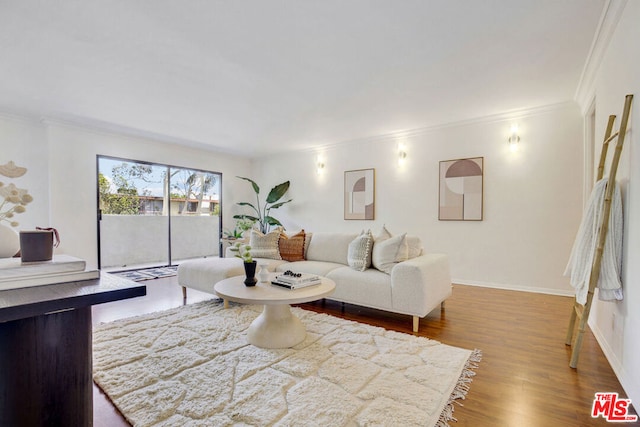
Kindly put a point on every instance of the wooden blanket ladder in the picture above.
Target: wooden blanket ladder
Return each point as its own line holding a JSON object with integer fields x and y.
{"x": 580, "y": 311}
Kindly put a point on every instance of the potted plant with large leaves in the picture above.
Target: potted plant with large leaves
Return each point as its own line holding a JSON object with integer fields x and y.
{"x": 263, "y": 213}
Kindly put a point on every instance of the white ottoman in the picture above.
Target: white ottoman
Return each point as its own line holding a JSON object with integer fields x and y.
{"x": 203, "y": 274}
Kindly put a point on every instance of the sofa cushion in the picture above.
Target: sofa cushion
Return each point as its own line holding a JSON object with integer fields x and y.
{"x": 388, "y": 252}
{"x": 292, "y": 248}
{"x": 264, "y": 245}
{"x": 331, "y": 247}
{"x": 321, "y": 268}
{"x": 359, "y": 253}
{"x": 370, "y": 288}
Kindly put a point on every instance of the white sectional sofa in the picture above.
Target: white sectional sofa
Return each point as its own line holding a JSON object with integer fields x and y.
{"x": 414, "y": 286}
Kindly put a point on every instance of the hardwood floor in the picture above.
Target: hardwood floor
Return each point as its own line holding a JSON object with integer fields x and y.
{"x": 523, "y": 379}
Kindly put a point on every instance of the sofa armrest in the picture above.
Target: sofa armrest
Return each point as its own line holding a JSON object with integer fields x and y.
{"x": 420, "y": 284}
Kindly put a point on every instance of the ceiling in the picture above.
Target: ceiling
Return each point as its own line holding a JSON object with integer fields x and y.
{"x": 258, "y": 76}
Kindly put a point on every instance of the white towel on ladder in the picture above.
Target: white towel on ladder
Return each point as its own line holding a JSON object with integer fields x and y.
{"x": 584, "y": 248}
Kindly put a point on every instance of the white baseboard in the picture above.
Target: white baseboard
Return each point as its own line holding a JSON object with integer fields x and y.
{"x": 632, "y": 390}
{"x": 536, "y": 290}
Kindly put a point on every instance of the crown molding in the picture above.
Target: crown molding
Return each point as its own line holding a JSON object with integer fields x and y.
{"x": 20, "y": 117}
{"x": 105, "y": 128}
{"x": 410, "y": 133}
{"x": 611, "y": 14}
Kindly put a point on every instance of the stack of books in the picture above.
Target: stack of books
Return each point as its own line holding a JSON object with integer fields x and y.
{"x": 16, "y": 274}
{"x": 296, "y": 280}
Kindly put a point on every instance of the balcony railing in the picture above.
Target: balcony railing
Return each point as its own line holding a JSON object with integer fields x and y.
{"x": 141, "y": 240}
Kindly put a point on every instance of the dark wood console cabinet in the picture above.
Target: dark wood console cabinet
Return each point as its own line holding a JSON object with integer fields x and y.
{"x": 46, "y": 350}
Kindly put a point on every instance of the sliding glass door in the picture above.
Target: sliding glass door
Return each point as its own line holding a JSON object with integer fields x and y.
{"x": 195, "y": 214}
{"x": 155, "y": 215}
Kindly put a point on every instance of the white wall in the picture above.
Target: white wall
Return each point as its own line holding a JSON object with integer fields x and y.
{"x": 61, "y": 159}
{"x": 532, "y": 198}
{"x": 617, "y": 324}
{"x": 23, "y": 141}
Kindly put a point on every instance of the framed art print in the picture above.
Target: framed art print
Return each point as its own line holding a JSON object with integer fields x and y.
{"x": 461, "y": 190}
{"x": 359, "y": 194}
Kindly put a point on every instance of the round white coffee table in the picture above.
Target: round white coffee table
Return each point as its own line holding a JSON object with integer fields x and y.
{"x": 276, "y": 326}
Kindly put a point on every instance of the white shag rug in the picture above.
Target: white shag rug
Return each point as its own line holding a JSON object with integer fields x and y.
{"x": 192, "y": 366}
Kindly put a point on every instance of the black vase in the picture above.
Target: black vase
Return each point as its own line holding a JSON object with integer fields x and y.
{"x": 250, "y": 272}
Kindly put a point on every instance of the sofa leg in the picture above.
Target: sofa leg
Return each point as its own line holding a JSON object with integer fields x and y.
{"x": 442, "y": 305}
{"x": 416, "y": 323}
{"x": 184, "y": 293}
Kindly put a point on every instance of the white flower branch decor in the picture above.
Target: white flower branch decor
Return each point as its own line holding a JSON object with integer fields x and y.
{"x": 13, "y": 199}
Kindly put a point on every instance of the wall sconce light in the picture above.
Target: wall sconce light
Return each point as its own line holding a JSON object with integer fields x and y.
{"x": 319, "y": 165}
{"x": 402, "y": 154}
{"x": 514, "y": 139}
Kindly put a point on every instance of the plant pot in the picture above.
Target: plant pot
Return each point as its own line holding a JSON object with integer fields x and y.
{"x": 250, "y": 272}
{"x": 36, "y": 245}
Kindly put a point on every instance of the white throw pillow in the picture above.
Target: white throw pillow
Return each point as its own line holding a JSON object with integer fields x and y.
{"x": 415, "y": 246}
{"x": 388, "y": 252}
{"x": 264, "y": 245}
{"x": 383, "y": 235}
{"x": 359, "y": 253}
{"x": 307, "y": 241}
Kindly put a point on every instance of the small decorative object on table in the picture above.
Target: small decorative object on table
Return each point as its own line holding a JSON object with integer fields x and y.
{"x": 12, "y": 201}
{"x": 244, "y": 253}
{"x": 263, "y": 273}
{"x": 291, "y": 280}
{"x": 37, "y": 245}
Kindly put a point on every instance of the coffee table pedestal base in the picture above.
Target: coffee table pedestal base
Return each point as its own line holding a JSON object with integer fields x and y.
{"x": 276, "y": 327}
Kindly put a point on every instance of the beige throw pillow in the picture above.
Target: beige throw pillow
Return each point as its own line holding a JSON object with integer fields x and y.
{"x": 264, "y": 245}
{"x": 388, "y": 252}
{"x": 359, "y": 253}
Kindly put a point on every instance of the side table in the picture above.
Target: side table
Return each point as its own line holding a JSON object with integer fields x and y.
{"x": 46, "y": 350}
